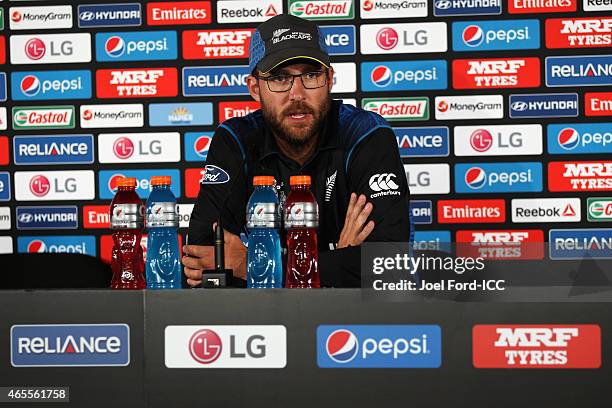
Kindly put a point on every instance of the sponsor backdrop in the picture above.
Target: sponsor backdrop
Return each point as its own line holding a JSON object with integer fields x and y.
{"x": 501, "y": 109}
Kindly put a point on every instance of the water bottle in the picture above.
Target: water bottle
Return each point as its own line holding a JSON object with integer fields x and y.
{"x": 264, "y": 264}
{"x": 127, "y": 221}
{"x": 163, "y": 255}
{"x": 301, "y": 221}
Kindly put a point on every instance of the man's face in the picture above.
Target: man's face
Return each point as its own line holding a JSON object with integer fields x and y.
{"x": 297, "y": 115}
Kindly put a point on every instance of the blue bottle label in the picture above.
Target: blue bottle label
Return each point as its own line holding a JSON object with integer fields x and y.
{"x": 162, "y": 214}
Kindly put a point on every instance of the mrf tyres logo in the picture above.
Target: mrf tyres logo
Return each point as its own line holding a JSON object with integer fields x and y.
{"x": 383, "y": 185}
{"x": 70, "y": 345}
{"x": 591, "y": 32}
{"x": 204, "y": 44}
{"x": 496, "y": 73}
{"x": 136, "y": 82}
{"x": 536, "y": 346}
{"x": 580, "y": 176}
{"x": 379, "y": 346}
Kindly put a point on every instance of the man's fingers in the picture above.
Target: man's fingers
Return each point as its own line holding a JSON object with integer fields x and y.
{"x": 365, "y": 232}
{"x": 193, "y": 282}
{"x": 349, "y": 210}
{"x": 198, "y": 251}
{"x": 363, "y": 216}
{"x": 192, "y": 273}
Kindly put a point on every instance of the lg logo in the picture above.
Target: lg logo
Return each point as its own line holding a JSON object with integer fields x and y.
{"x": 383, "y": 182}
{"x": 205, "y": 346}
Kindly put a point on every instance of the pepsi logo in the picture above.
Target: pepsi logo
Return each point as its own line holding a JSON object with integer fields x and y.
{"x": 123, "y": 148}
{"x": 40, "y": 185}
{"x": 387, "y": 38}
{"x": 205, "y": 346}
{"x": 381, "y": 76}
{"x": 475, "y": 178}
{"x": 442, "y": 106}
{"x": 37, "y": 246}
{"x": 519, "y": 106}
{"x": 30, "y": 85}
{"x": 35, "y": 49}
{"x": 367, "y": 5}
{"x": 481, "y": 140}
{"x": 16, "y": 16}
{"x": 87, "y": 115}
{"x": 568, "y": 138}
{"x": 201, "y": 146}
{"x": 113, "y": 182}
{"x": 473, "y": 36}
{"x": 342, "y": 346}
{"x": 114, "y": 46}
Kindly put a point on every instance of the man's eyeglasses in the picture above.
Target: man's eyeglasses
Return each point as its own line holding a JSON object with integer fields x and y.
{"x": 284, "y": 82}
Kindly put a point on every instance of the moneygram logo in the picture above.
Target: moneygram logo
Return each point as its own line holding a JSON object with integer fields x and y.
{"x": 340, "y": 40}
{"x": 496, "y": 73}
{"x": 428, "y": 178}
{"x": 579, "y": 32}
{"x": 197, "y": 145}
{"x": 576, "y": 138}
{"x": 536, "y": 346}
{"x": 543, "y": 105}
{"x": 136, "y": 46}
{"x": 36, "y": 18}
{"x": 57, "y": 217}
{"x": 109, "y": 15}
{"x": 108, "y": 179}
{"x": 178, "y": 13}
{"x": 498, "y": 177}
{"x": 500, "y": 140}
{"x": 580, "y": 243}
{"x": 70, "y": 345}
{"x": 50, "y": 48}
{"x": 496, "y": 35}
{"x": 43, "y": 117}
{"x": 422, "y": 141}
{"x": 580, "y": 176}
{"x": 581, "y": 70}
{"x": 469, "y": 107}
{"x": 205, "y": 44}
{"x": 599, "y": 209}
{"x": 247, "y": 11}
{"x": 74, "y": 244}
{"x": 370, "y": 346}
{"x": 398, "y": 76}
{"x": 466, "y": 8}
{"x": 225, "y": 346}
{"x": 215, "y": 81}
{"x": 393, "y": 9}
{"x": 54, "y": 185}
{"x": 398, "y": 108}
{"x": 136, "y": 83}
{"x": 404, "y": 38}
{"x": 51, "y": 85}
{"x": 139, "y": 148}
{"x": 530, "y": 210}
{"x": 55, "y": 149}
{"x": 112, "y": 116}
{"x": 322, "y": 9}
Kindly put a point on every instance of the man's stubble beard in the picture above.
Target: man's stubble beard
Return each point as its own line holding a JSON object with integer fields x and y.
{"x": 296, "y": 137}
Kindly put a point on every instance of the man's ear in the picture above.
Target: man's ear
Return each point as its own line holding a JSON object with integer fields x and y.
{"x": 253, "y": 85}
{"x": 330, "y": 78}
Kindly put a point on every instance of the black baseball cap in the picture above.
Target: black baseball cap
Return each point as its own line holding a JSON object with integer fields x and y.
{"x": 283, "y": 38}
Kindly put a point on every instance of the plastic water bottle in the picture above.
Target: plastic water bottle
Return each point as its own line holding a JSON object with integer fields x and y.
{"x": 264, "y": 264}
{"x": 301, "y": 222}
{"x": 127, "y": 221}
{"x": 163, "y": 255}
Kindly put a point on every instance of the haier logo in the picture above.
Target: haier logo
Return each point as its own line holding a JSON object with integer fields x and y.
{"x": 50, "y": 85}
{"x": 469, "y": 107}
{"x": 541, "y": 6}
{"x": 370, "y": 346}
{"x": 398, "y": 108}
{"x": 54, "y": 185}
{"x": 75, "y": 244}
{"x": 70, "y": 345}
{"x": 579, "y": 32}
{"x": 580, "y": 243}
{"x": 43, "y": 117}
{"x": 53, "y": 149}
{"x": 215, "y": 81}
{"x": 580, "y": 70}
{"x": 225, "y": 346}
{"x": 35, "y": 218}
{"x": 403, "y": 38}
{"x": 543, "y": 105}
{"x": 340, "y": 40}
{"x": 50, "y": 48}
{"x": 577, "y": 138}
{"x": 197, "y": 145}
{"x": 136, "y": 83}
{"x": 444, "y": 8}
{"x": 428, "y": 178}
{"x": 109, "y": 15}
{"x": 37, "y": 18}
{"x": 5, "y": 186}
{"x": 498, "y": 177}
{"x": 136, "y": 46}
{"x": 139, "y": 148}
{"x": 496, "y": 35}
{"x": 180, "y": 114}
{"x": 580, "y": 176}
{"x": 322, "y": 9}
{"x": 496, "y": 73}
{"x": 422, "y": 141}
{"x": 112, "y": 116}
{"x": 536, "y": 346}
{"x": 207, "y": 44}
{"x": 529, "y": 210}
{"x": 500, "y": 140}
{"x": 420, "y": 211}
{"x": 177, "y": 13}
{"x": 108, "y": 179}
{"x": 403, "y": 76}
{"x": 247, "y": 11}
{"x": 393, "y": 8}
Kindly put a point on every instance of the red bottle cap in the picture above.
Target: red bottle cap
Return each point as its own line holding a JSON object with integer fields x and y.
{"x": 299, "y": 180}
{"x": 127, "y": 182}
